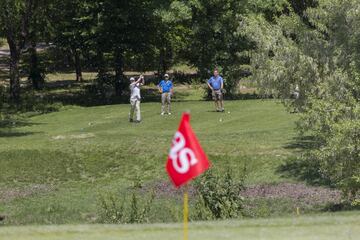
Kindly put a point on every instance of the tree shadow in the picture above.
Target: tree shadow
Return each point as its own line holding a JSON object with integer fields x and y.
{"x": 63, "y": 84}
{"x": 8, "y": 127}
{"x": 303, "y": 170}
{"x": 150, "y": 95}
{"x": 14, "y": 123}
{"x": 302, "y": 167}
{"x": 303, "y": 143}
{"x": 246, "y": 96}
{"x": 7, "y": 134}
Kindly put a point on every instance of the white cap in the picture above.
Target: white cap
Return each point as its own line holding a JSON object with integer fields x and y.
{"x": 132, "y": 79}
{"x": 166, "y": 75}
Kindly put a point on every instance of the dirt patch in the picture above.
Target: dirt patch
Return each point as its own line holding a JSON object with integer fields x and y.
{"x": 165, "y": 189}
{"x": 8, "y": 194}
{"x": 78, "y": 136}
{"x": 298, "y": 192}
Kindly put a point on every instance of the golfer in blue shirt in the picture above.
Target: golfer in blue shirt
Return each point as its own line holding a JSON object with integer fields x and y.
{"x": 166, "y": 89}
{"x": 216, "y": 85}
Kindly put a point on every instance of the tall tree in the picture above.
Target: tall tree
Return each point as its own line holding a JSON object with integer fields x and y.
{"x": 70, "y": 29}
{"x": 15, "y": 19}
{"x": 215, "y": 40}
{"x": 40, "y": 30}
{"x": 127, "y": 25}
{"x": 173, "y": 32}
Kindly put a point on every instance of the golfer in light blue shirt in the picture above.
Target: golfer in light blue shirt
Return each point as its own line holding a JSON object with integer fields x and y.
{"x": 216, "y": 85}
{"x": 166, "y": 89}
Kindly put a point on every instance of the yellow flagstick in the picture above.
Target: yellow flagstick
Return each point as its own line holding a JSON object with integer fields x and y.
{"x": 186, "y": 213}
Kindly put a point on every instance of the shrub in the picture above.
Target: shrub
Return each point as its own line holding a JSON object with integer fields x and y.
{"x": 336, "y": 127}
{"x": 219, "y": 197}
{"x": 115, "y": 210}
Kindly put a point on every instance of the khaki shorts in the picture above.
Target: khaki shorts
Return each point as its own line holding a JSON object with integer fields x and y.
{"x": 217, "y": 95}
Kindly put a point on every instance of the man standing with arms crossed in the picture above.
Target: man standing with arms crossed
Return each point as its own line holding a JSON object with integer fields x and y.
{"x": 135, "y": 98}
{"x": 216, "y": 85}
{"x": 166, "y": 89}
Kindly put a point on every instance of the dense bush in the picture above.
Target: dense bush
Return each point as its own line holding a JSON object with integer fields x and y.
{"x": 219, "y": 197}
{"x": 337, "y": 129}
{"x": 317, "y": 52}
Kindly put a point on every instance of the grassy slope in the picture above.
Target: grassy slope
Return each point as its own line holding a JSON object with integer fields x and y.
{"x": 78, "y": 153}
{"x": 327, "y": 227}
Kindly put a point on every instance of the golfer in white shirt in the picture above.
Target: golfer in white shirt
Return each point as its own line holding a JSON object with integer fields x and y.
{"x": 135, "y": 98}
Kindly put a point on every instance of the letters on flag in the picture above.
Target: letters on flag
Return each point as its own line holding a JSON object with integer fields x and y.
{"x": 186, "y": 159}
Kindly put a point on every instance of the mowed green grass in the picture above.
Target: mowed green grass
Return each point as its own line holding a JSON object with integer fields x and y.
{"x": 326, "y": 227}
{"x": 55, "y": 166}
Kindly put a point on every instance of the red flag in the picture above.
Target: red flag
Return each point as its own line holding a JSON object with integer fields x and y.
{"x": 186, "y": 159}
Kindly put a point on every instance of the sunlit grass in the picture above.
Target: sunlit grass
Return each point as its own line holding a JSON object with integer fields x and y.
{"x": 323, "y": 227}
{"x": 80, "y": 152}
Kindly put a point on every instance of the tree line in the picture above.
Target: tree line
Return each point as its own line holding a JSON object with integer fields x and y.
{"x": 115, "y": 34}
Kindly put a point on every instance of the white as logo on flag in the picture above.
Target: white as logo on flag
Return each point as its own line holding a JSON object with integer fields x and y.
{"x": 182, "y": 158}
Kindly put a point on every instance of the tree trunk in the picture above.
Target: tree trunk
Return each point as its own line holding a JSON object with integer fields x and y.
{"x": 35, "y": 75}
{"x": 78, "y": 70}
{"x": 16, "y": 36}
{"x": 14, "y": 72}
{"x": 100, "y": 64}
{"x": 163, "y": 65}
{"x": 119, "y": 71}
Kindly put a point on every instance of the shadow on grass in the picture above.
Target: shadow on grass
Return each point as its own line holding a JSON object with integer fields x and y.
{"x": 88, "y": 93}
{"x": 240, "y": 96}
{"x": 245, "y": 96}
{"x": 12, "y": 123}
{"x": 302, "y": 143}
{"x": 302, "y": 167}
{"x": 343, "y": 206}
{"x": 8, "y": 134}
{"x": 150, "y": 95}
{"x": 8, "y": 128}
{"x": 303, "y": 170}
{"x": 61, "y": 84}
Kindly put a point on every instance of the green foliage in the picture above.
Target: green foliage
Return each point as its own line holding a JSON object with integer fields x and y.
{"x": 319, "y": 55}
{"x": 338, "y": 155}
{"x": 351, "y": 186}
{"x": 172, "y": 22}
{"x": 114, "y": 210}
{"x": 219, "y": 197}
{"x": 215, "y": 41}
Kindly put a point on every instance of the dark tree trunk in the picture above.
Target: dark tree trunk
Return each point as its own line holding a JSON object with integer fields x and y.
{"x": 100, "y": 64}
{"x": 16, "y": 41}
{"x": 163, "y": 62}
{"x": 119, "y": 71}
{"x": 78, "y": 70}
{"x": 35, "y": 75}
{"x": 14, "y": 75}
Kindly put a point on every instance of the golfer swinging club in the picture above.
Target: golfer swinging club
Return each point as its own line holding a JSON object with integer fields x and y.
{"x": 135, "y": 98}
{"x": 216, "y": 84}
